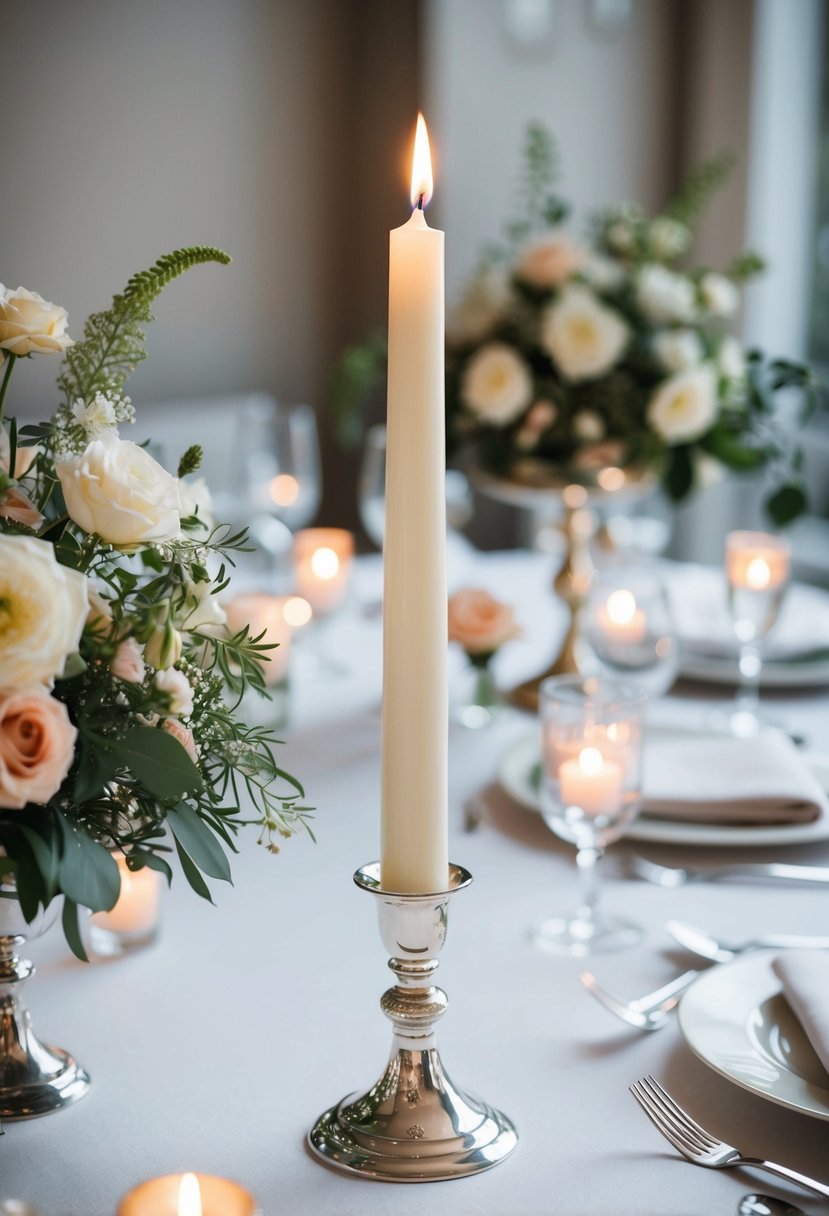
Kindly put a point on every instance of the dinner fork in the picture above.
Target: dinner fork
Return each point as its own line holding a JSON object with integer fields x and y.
{"x": 699, "y": 1146}
{"x": 675, "y": 876}
{"x": 648, "y": 1012}
{"x": 702, "y": 943}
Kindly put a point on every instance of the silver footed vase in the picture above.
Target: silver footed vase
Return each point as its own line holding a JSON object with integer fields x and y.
{"x": 35, "y": 1079}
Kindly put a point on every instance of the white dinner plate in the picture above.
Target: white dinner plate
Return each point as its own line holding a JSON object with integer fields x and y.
{"x": 736, "y": 1019}
{"x": 519, "y": 770}
{"x": 776, "y": 673}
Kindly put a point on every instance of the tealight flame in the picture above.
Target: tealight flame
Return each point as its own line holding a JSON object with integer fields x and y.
{"x": 621, "y": 607}
{"x": 189, "y": 1196}
{"x": 325, "y": 563}
{"x": 296, "y": 611}
{"x": 590, "y": 761}
{"x": 284, "y": 489}
{"x": 422, "y": 182}
{"x": 611, "y": 478}
{"x": 758, "y": 573}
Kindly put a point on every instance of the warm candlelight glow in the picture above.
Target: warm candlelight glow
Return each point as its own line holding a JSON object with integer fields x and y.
{"x": 621, "y": 607}
{"x": 297, "y": 611}
{"x": 590, "y": 761}
{"x": 284, "y": 489}
{"x": 422, "y": 182}
{"x": 325, "y": 563}
{"x": 758, "y": 573}
{"x": 189, "y": 1196}
{"x": 611, "y": 478}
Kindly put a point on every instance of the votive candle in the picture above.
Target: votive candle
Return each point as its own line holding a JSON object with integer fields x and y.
{"x": 188, "y": 1195}
{"x": 322, "y": 564}
{"x": 757, "y": 561}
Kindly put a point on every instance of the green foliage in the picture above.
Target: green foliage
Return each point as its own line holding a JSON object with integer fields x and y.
{"x": 357, "y": 373}
{"x": 536, "y": 205}
{"x": 191, "y": 460}
{"x": 113, "y": 342}
{"x": 745, "y": 266}
{"x": 700, "y": 186}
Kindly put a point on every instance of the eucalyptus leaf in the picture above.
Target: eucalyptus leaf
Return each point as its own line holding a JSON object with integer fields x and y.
{"x": 72, "y": 930}
{"x": 87, "y": 872}
{"x": 157, "y": 760}
{"x": 199, "y": 842}
{"x": 192, "y": 875}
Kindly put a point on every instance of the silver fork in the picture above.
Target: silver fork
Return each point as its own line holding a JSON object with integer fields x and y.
{"x": 702, "y": 943}
{"x": 648, "y": 1012}
{"x": 675, "y": 876}
{"x": 699, "y": 1146}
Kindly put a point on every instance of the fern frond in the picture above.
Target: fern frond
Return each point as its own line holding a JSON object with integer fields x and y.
{"x": 700, "y": 187}
{"x": 113, "y": 341}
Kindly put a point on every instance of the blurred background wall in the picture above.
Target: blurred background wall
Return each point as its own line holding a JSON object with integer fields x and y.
{"x": 279, "y": 131}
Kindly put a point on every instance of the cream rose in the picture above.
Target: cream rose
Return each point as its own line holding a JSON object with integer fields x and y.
{"x": 685, "y": 405}
{"x": 480, "y": 623}
{"x": 584, "y": 337}
{"x": 669, "y": 238}
{"x": 731, "y": 359}
{"x": 117, "y": 490}
{"x": 549, "y": 262}
{"x": 43, "y": 606}
{"x": 496, "y": 385}
{"x": 719, "y": 294}
{"x": 177, "y": 687}
{"x": 484, "y": 300}
{"x": 602, "y": 273}
{"x": 37, "y": 745}
{"x": 589, "y": 426}
{"x": 664, "y": 296}
{"x": 31, "y": 325}
{"x": 128, "y": 662}
{"x": 678, "y": 349}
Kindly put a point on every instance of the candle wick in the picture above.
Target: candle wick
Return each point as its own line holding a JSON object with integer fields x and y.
{"x": 420, "y": 202}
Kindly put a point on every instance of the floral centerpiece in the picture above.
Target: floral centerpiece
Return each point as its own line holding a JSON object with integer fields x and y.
{"x": 566, "y": 356}
{"x": 118, "y": 677}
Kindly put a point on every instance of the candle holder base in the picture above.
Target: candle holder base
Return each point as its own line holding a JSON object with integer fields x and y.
{"x": 414, "y": 1124}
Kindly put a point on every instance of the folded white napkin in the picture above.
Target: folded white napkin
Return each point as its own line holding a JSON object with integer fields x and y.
{"x": 699, "y": 603}
{"x": 805, "y": 978}
{"x": 720, "y": 779}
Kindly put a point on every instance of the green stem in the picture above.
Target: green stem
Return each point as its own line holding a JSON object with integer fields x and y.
{"x": 10, "y": 362}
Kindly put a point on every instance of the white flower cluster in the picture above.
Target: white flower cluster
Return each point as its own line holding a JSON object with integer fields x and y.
{"x": 77, "y": 425}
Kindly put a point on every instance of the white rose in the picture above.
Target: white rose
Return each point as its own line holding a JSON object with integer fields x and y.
{"x": 549, "y": 261}
{"x": 43, "y": 608}
{"x": 117, "y": 490}
{"x": 482, "y": 304}
{"x": 665, "y": 296}
{"x": 685, "y": 405}
{"x": 621, "y": 237}
{"x": 202, "y": 610}
{"x": 584, "y": 337}
{"x": 707, "y": 471}
{"x": 589, "y": 426}
{"x": 731, "y": 359}
{"x": 195, "y": 499}
{"x": 96, "y": 417}
{"x": 678, "y": 349}
{"x": 669, "y": 238}
{"x": 719, "y": 294}
{"x": 31, "y": 325}
{"x": 604, "y": 274}
{"x": 497, "y": 384}
{"x": 177, "y": 687}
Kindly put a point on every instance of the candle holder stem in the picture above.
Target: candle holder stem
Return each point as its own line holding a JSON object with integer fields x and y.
{"x": 414, "y": 1124}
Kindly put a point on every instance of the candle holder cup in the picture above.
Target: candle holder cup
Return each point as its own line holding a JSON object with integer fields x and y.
{"x": 414, "y": 1124}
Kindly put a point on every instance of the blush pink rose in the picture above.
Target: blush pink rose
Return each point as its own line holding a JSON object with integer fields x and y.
{"x": 37, "y": 744}
{"x": 128, "y": 662}
{"x": 183, "y": 736}
{"x": 15, "y": 505}
{"x": 480, "y": 623}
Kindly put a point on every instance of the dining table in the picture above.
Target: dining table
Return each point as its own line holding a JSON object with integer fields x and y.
{"x": 217, "y": 1048}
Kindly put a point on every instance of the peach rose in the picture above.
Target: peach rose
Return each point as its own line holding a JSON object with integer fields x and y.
{"x": 549, "y": 262}
{"x": 24, "y": 458}
{"x": 16, "y": 506}
{"x": 128, "y": 662}
{"x": 182, "y": 735}
{"x": 30, "y": 325}
{"x": 37, "y": 744}
{"x": 480, "y": 623}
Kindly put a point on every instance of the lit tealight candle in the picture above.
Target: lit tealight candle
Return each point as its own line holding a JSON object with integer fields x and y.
{"x": 188, "y": 1195}
{"x": 591, "y": 783}
{"x": 135, "y": 918}
{"x": 322, "y": 563}
{"x": 284, "y": 489}
{"x": 757, "y": 561}
{"x": 266, "y": 615}
{"x": 621, "y": 620}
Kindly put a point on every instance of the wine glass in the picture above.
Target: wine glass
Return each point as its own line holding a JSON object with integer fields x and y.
{"x": 591, "y": 732}
{"x": 757, "y": 566}
{"x": 628, "y": 628}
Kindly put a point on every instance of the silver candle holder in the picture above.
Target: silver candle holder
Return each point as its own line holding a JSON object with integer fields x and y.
{"x": 414, "y": 1124}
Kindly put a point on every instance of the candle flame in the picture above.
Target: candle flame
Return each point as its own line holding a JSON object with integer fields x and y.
{"x": 189, "y": 1196}
{"x": 621, "y": 607}
{"x": 296, "y": 611}
{"x": 590, "y": 761}
{"x": 284, "y": 489}
{"x": 325, "y": 563}
{"x": 422, "y": 182}
{"x": 758, "y": 573}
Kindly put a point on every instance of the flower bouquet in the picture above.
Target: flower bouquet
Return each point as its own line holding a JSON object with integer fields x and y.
{"x": 566, "y": 357}
{"x": 118, "y": 677}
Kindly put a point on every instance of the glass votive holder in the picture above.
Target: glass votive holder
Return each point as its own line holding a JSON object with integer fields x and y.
{"x": 135, "y": 920}
{"x": 757, "y": 568}
{"x": 322, "y": 566}
{"x": 628, "y": 628}
{"x": 188, "y": 1195}
{"x": 265, "y": 615}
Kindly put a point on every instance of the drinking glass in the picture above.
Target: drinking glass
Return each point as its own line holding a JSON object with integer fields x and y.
{"x": 757, "y": 566}
{"x": 628, "y": 628}
{"x": 591, "y": 733}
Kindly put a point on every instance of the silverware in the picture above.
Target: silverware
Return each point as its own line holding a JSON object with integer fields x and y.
{"x": 702, "y": 943}
{"x": 766, "y": 1205}
{"x": 648, "y": 1012}
{"x": 673, "y": 876}
{"x": 699, "y": 1146}
{"x": 17, "y": 1207}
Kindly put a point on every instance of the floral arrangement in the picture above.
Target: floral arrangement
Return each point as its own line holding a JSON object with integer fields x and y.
{"x": 119, "y": 680}
{"x": 480, "y": 624}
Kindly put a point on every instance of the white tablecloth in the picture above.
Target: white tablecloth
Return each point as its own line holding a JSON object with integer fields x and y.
{"x": 215, "y": 1050}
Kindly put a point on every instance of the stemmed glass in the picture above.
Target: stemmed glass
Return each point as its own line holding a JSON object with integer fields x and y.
{"x": 757, "y": 566}
{"x": 591, "y": 732}
{"x": 628, "y": 628}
